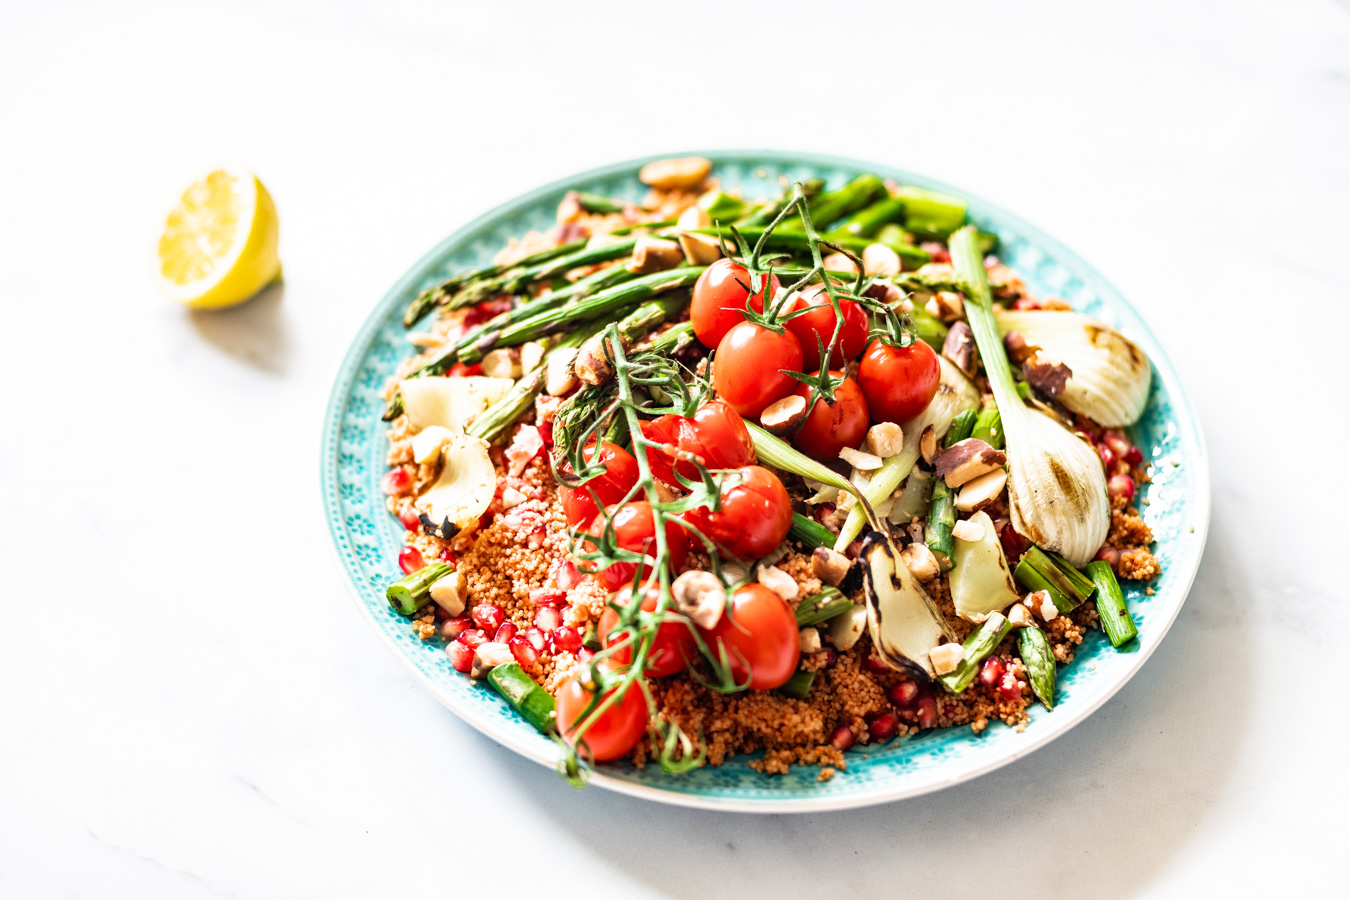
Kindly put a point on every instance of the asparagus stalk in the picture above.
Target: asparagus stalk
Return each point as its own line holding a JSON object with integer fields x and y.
{"x": 759, "y": 215}
{"x": 1040, "y": 661}
{"x": 893, "y": 234}
{"x": 518, "y": 279}
{"x": 931, "y": 211}
{"x": 411, "y": 592}
{"x": 424, "y": 302}
{"x": 799, "y": 685}
{"x": 598, "y": 304}
{"x": 928, "y": 328}
{"x": 721, "y": 207}
{"x": 600, "y": 204}
{"x": 1038, "y": 572}
{"x": 961, "y": 428}
{"x": 835, "y": 205}
{"x": 989, "y": 428}
{"x": 525, "y": 696}
{"x": 941, "y": 519}
{"x": 792, "y": 242}
{"x": 822, "y": 607}
{"x": 1111, "y": 609}
{"x": 810, "y": 532}
{"x": 868, "y": 221}
{"x": 982, "y": 642}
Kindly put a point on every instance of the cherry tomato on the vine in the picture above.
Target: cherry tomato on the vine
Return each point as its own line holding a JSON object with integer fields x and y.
{"x": 672, "y": 647}
{"x": 720, "y": 301}
{"x": 819, "y": 321}
{"x": 830, "y": 428}
{"x": 607, "y": 735}
{"x": 715, "y": 433}
{"x": 898, "y": 382}
{"x": 635, "y": 530}
{"x": 748, "y": 367}
{"x": 755, "y": 514}
{"x": 760, "y": 636}
{"x": 611, "y": 486}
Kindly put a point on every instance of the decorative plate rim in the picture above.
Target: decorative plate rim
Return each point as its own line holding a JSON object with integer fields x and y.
{"x": 1056, "y": 725}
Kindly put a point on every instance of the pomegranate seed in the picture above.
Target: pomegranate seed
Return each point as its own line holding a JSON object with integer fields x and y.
{"x": 1117, "y": 442}
{"x": 1013, "y": 543}
{"x": 904, "y": 693}
{"x": 882, "y": 727}
{"x": 1135, "y": 456}
{"x": 1110, "y": 556}
{"x": 991, "y": 671}
{"x": 472, "y": 638}
{"x": 1121, "y": 486}
{"x": 927, "y": 710}
{"x": 830, "y": 656}
{"x": 488, "y": 616}
{"x": 536, "y": 639}
{"x": 461, "y": 656}
{"x": 410, "y": 518}
{"x": 506, "y": 632}
{"x": 453, "y": 628}
{"x": 1022, "y": 303}
{"x": 585, "y": 655}
{"x": 546, "y": 433}
{"x": 1108, "y": 457}
{"x": 566, "y": 639}
{"x": 449, "y": 556}
{"x": 523, "y": 651}
{"x": 548, "y": 619}
{"x": 875, "y": 665}
{"x": 395, "y": 481}
{"x": 410, "y": 560}
{"x": 1009, "y": 687}
{"x": 541, "y": 597}
{"x": 567, "y": 576}
{"x": 842, "y": 738}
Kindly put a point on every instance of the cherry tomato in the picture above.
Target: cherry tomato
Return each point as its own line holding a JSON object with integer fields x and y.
{"x": 635, "y": 530}
{"x": 820, "y": 322}
{"x": 748, "y": 367}
{"x": 715, "y": 432}
{"x": 760, "y": 636}
{"x": 898, "y": 382}
{"x": 610, "y": 734}
{"x": 830, "y": 428}
{"x": 611, "y": 486}
{"x": 719, "y": 300}
{"x": 672, "y": 647}
{"x": 755, "y": 516}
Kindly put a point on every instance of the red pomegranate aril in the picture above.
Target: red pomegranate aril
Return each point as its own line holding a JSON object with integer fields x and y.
{"x": 506, "y": 632}
{"x": 1025, "y": 303}
{"x": 904, "y": 693}
{"x": 1134, "y": 457}
{"x": 488, "y": 616}
{"x": 1009, "y": 687}
{"x": 410, "y": 560}
{"x": 523, "y": 651}
{"x": 461, "y": 656}
{"x": 875, "y": 665}
{"x": 472, "y": 638}
{"x": 882, "y": 727}
{"x": 1108, "y": 457}
{"x": 396, "y": 481}
{"x": 1013, "y": 543}
{"x": 1121, "y": 486}
{"x": 536, "y": 639}
{"x": 830, "y": 656}
{"x": 1118, "y": 443}
{"x": 842, "y": 738}
{"x": 410, "y": 518}
{"x": 991, "y": 671}
{"x": 1110, "y": 556}
{"x": 927, "y": 711}
{"x": 541, "y": 597}
{"x": 449, "y": 556}
{"x": 453, "y": 628}
{"x": 566, "y": 640}
{"x": 567, "y": 576}
{"x": 547, "y": 619}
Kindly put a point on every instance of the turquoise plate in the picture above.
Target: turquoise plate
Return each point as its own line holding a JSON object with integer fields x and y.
{"x": 367, "y": 538}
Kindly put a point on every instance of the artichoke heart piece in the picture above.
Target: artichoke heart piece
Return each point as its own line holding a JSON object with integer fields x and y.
{"x": 465, "y": 489}
{"x": 1110, "y": 376}
{"x": 449, "y": 402}
{"x": 901, "y": 618}
{"x": 981, "y": 582}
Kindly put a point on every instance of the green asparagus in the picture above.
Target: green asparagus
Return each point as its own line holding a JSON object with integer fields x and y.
{"x": 525, "y": 696}
{"x": 821, "y": 607}
{"x": 982, "y": 642}
{"x": 941, "y": 519}
{"x": 989, "y": 428}
{"x": 834, "y": 205}
{"x": 866, "y": 222}
{"x": 412, "y": 592}
{"x": 810, "y": 532}
{"x": 1038, "y": 572}
{"x": 429, "y": 299}
{"x": 1111, "y": 609}
{"x": 1040, "y": 662}
{"x": 799, "y": 685}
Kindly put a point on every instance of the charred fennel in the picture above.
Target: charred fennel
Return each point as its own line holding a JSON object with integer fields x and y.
{"x": 902, "y": 619}
{"x": 955, "y": 394}
{"x": 1056, "y": 486}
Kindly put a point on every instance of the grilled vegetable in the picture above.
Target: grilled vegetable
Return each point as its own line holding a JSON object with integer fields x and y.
{"x": 903, "y": 621}
{"x": 1035, "y": 651}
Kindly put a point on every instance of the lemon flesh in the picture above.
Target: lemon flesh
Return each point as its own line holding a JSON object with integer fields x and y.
{"x": 219, "y": 245}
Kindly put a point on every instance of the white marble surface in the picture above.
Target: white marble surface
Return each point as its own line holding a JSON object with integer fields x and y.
{"x": 189, "y": 704}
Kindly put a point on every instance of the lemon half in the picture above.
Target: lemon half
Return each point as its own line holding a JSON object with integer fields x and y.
{"x": 219, "y": 245}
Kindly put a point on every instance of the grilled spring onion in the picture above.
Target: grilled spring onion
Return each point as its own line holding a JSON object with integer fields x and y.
{"x": 955, "y": 394}
{"x": 1110, "y": 377}
{"x": 1040, "y": 571}
{"x": 1056, "y": 486}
